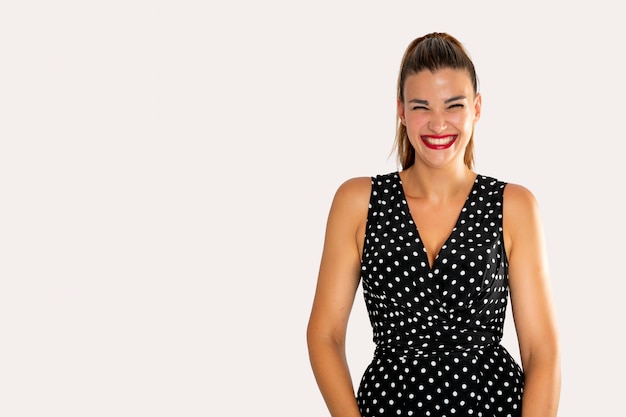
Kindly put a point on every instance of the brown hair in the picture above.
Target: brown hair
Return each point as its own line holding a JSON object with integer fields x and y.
{"x": 431, "y": 52}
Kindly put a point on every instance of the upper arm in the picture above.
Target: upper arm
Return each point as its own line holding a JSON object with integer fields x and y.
{"x": 339, "y": 271}
{"x": 529, "y": 277}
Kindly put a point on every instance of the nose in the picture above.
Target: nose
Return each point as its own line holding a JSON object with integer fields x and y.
{"x": 437, "y": 122}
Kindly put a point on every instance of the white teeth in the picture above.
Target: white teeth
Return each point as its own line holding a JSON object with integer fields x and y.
{"x": 439, "y": 141}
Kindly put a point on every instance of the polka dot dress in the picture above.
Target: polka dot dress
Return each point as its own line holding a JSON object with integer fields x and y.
{"x": 437, "y": 328}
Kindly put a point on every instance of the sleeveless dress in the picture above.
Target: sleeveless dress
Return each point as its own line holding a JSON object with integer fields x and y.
{"x": 438, "y": 328}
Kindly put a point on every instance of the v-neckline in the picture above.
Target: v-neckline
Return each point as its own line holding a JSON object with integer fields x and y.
{"x": 409, "y": 215}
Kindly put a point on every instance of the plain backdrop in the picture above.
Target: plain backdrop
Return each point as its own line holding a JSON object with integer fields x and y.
{"x": 166, "y": 169}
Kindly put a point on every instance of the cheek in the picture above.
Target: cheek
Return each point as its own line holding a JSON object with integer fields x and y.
{"x": 463, "y": 120}
{"x": 415, "y": 121}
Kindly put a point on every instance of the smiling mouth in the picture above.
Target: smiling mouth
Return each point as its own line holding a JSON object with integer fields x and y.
{"x": 439, "y": 142}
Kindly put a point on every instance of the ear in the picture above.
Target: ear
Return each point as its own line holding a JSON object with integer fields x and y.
{"x": 401, "y": 112}
{"x": 478, "y": 103}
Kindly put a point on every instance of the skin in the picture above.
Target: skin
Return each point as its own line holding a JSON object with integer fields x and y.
{"x": 439, "y": 105}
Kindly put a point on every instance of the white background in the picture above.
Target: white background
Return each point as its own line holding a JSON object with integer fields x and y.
{"x": 166, "y": 168}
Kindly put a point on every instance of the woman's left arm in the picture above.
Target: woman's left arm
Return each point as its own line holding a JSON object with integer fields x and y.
{"x": 531, "y": 303}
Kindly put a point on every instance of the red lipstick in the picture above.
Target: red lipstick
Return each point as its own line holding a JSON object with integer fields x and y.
{"x": 438, "y": 142}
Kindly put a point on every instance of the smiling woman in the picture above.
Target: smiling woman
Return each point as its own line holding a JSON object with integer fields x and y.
{"x": 438, "y": 111}
{"x": 438, "y": 250}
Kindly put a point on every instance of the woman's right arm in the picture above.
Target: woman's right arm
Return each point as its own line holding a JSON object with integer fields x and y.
{"x": 337, "y": 283}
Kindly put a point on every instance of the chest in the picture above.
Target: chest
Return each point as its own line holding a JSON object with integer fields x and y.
{"x": 434, "y": 222}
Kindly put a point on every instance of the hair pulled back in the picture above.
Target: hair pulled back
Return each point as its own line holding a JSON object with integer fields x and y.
{"x": 431, "y": 52}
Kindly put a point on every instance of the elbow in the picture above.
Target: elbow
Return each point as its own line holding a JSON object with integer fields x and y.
{"x": 545, "y": 357}
{"x": 311, "y": 336}
{"x": 319, "y": 337}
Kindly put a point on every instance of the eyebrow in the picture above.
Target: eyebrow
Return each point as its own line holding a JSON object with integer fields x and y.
{"x": 425, "y": 102}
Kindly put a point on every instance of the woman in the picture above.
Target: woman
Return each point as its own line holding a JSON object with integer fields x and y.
{"x": 438, "y": 250}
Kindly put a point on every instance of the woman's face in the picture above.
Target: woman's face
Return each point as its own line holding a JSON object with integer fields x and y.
{"x": 439, "y": 111}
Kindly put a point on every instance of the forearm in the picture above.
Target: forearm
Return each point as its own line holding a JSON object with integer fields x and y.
{"x": 332, "y": 374}
{"x": 542, "y": 386}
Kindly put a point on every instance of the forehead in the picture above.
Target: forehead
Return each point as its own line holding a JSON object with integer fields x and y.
{"x": 442, "y": 81}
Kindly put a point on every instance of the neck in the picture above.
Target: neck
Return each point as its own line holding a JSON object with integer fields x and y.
{"x": 436, "y": 184}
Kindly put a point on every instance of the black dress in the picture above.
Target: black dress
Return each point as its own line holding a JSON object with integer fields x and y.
{"x": 437, "y": 328}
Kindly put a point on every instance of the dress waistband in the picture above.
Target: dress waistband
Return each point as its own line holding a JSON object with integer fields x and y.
{"x": 438, "y": 351}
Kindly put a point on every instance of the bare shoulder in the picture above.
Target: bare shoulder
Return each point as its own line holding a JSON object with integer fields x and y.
{"x": 354, "y": 194}
{"x": 349, "y": 209}
{"x": 521, "y": 217}
{"x": 519, "y": 200}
